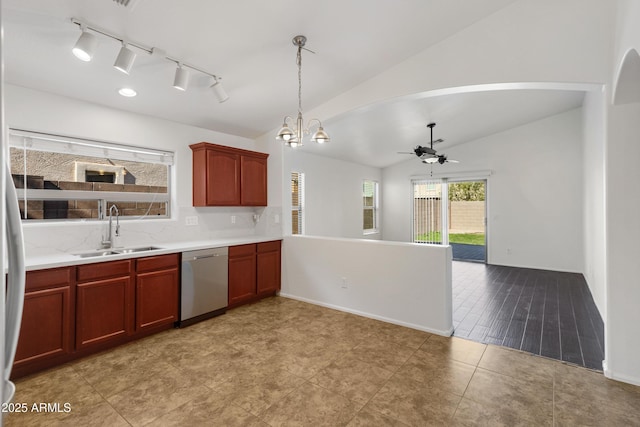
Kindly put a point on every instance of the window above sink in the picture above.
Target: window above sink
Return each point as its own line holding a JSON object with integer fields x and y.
{"x": 66, "y": 178}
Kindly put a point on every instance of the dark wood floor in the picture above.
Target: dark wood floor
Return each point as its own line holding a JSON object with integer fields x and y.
{"x": 542, "y": 312}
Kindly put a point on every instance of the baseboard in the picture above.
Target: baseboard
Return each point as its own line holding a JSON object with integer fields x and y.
{"x": 444, "y": 333}
{"x": 617, "y": 377}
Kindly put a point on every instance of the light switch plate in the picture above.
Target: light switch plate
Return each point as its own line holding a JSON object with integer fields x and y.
{"x": 191, "y": 220}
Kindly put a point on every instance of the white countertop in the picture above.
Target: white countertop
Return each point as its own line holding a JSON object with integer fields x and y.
{"x": 67, "y": 259}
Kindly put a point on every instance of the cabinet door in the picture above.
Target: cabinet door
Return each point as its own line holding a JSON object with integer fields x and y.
{"x": 242, "y": 276}
{"x": 156, "y": 298}
{"x": 46, "y": 325}
{"x": 104, "y": 311}
{"x": 268, "y": 267}
{"x": 253, "y": 181}
{"x": 223, "y": 183}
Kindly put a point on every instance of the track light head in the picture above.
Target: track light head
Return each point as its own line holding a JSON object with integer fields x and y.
{"x": 219, "y": 91}
{"x": 125, "y": 59}
{"x": 181, "y": 79}
{"x": 86, "y": 46}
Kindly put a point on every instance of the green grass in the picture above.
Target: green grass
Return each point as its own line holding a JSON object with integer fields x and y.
{"x": 466, "y": 238}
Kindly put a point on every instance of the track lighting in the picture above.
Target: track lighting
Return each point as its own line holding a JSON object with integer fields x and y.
{"x": 125, "y": 59}
{"x": 181, "y": 79}
{"x": 87, "y": 43}
{"x": 86, "y": 46}
{"x": 218, "y": 90}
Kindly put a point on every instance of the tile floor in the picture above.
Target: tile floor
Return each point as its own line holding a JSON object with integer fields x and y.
{"x": 284, "y": 362}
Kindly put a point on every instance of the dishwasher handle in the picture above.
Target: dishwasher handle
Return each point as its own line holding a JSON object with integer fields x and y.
{"x": 204, "y": 254}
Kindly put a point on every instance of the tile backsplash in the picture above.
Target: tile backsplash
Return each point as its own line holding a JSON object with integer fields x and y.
{"x": 215, "y": 222}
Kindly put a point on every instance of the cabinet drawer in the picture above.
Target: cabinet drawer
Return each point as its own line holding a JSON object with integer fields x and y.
{"x": 241, "y": 250}
{"x": 102, "y": 270}
{"x": 269, "y": 246}
{"x": 48, "y": 278}
{"x": 159, "y": 262}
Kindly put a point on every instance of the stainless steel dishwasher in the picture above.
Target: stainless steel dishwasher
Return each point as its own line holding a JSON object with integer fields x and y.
{"x": 205, "y": 275}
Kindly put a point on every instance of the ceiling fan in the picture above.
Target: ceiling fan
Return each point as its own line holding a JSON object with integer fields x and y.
{"x": 428, "y": 154}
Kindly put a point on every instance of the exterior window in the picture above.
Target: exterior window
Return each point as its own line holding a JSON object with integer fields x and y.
{"x": 64, "y": 178}
{"x": 297, "y": 203}
{"x": 370, "y": 207}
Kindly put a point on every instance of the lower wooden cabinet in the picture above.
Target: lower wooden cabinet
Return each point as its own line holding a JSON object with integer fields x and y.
{"x": 73, "y": 311}
{"x": 104, "y": 303}
{"x": 254, "y": 272}
{"x": 242, "y": 274}
{"x": 268, "y": 268}
{"x": 157, "y": 291}
{"x": 46, "y": 332}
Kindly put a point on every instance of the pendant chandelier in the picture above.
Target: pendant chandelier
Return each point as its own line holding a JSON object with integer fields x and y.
{"x": 293, "y": 135}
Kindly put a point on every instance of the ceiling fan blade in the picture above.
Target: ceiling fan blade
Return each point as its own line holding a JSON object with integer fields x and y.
{"x": 405, "y": 152}
{"x": 452, "y": 161}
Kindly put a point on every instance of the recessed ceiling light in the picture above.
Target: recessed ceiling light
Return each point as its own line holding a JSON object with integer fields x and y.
{"x": 128, "y": 92}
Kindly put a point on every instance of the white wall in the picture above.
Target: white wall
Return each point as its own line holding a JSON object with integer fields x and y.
{"x": 44, "y": 112}
{"x": 385, "y": 280}
{"x": 593, "y": 190}
{"x": 622, "y": 176}
{"x": 333, "y": 194}
{"x": 534, "y": 192}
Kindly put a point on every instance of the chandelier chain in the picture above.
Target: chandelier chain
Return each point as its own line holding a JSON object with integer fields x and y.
{"x": 299, "y": 62}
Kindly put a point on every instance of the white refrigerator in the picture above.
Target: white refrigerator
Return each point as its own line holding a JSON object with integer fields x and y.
{"x": 12, "y": 254}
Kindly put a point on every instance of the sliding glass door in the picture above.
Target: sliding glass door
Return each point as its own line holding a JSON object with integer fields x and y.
{"x": 451, "y": 213}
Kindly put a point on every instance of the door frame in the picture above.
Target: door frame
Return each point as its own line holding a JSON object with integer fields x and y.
{"x": 454, "y": 177}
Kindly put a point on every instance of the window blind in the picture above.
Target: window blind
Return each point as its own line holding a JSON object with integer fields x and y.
{"x": 297, "y": 203}
{"x": 427, "y": 211}
{"x": 23, "y": 139}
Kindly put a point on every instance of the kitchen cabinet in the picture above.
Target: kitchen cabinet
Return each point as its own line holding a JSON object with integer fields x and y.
{"x": 254, "y": 272}
{"x": 227, "y": 176}
{"x": 268, "y": 267}
{"x": 157, "y": 291}
{"x": 46, "y": 332}
{"x": 242, "y": 274}
{"x": 104, "y": 303}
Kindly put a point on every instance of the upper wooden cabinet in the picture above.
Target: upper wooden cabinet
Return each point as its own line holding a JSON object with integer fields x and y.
{"x": 226, "y": 176}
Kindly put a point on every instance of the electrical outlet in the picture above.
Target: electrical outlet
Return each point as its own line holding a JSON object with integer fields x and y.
{"x": 508, "y": 251}
{"x": 191, "y": 220}
{"x": 233, "y": 219}
{"x": 343, "y": 282}
{"x": 276, "y": 218}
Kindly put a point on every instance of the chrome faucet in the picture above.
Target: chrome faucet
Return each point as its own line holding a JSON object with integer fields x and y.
{"x": 107, "y": 242}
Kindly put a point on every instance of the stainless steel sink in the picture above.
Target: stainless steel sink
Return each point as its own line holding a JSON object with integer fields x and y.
{"x": 134, "y": 250}
{"x": 116, "y": 251}
{"x": 97, "y": 253}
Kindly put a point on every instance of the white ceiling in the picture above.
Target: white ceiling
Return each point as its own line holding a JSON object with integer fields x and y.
{"x": 248, "y": 44}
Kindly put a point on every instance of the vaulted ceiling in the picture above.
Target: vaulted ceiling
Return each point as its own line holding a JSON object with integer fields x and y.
{"x": 248, "y": 44}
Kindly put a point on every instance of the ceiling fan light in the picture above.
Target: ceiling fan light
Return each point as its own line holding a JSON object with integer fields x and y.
{"x": 430, "y": 160}
{"x": 181, "y": 79}
{"x": 320, "y": 136}
{"x": 85, "y": 47}
{"x": 124, "y": 60}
